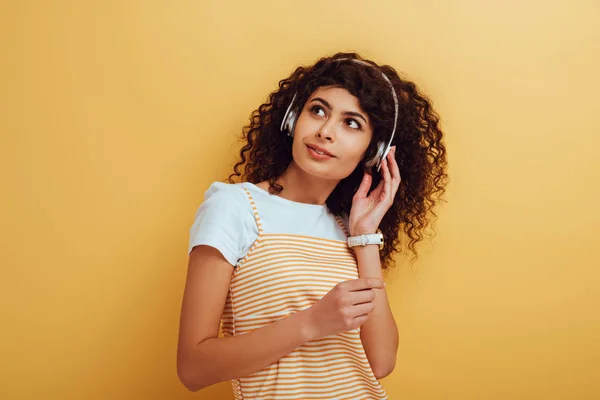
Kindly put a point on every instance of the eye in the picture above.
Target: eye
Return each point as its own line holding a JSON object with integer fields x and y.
{"x": 316, "y": 109}
{"x": 352, "y": 123}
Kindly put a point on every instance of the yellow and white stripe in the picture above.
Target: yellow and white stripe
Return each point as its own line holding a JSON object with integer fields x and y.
{"x": 283, "y": 274}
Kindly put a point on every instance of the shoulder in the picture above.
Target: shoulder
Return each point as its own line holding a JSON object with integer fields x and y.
{"x": 224, "y": 220}
{"x": 227, "y": 192}
{"x": 225, "y": 202}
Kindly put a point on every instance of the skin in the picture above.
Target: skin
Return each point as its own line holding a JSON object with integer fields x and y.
{"x": 203, "y": 358}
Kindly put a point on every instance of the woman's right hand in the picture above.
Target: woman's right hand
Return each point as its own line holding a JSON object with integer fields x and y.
{"x": 345, "y": 307}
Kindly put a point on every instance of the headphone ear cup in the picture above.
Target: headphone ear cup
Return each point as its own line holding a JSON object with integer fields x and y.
{"x": 376, "y": 160}
{"x": 289, "y": 119}
{"x": 291, "y": 123}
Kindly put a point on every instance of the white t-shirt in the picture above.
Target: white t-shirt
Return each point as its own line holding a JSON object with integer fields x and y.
{"x": 226, "y": 222}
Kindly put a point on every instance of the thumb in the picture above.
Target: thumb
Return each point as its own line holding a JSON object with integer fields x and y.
{"x": 364, "y": 187}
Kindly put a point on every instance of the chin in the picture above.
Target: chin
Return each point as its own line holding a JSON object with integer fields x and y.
{"x": 329, "y": 170}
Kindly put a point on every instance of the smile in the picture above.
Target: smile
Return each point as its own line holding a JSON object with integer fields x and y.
{"x": 318, "y": 153}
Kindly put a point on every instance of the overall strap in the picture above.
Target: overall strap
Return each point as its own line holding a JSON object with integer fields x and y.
{"x": 341, "y": 223}
{"x": 254, "y": 210}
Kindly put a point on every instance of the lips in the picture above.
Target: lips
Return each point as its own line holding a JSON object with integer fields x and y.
{"x": 320, "y": 150}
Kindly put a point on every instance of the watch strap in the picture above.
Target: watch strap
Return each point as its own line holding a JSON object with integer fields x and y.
{"x": 364, "y": 240}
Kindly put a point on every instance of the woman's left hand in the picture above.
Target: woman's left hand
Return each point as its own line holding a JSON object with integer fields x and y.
{"x": 368, "y": 211}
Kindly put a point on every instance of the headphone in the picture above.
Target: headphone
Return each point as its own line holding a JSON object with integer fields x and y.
{"x": 291, "y": 115}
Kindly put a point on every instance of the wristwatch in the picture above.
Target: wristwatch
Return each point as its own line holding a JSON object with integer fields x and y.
{"x": 363, "y": 240}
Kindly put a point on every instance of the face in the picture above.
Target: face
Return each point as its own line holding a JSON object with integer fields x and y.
{"x": 332, "y": 134}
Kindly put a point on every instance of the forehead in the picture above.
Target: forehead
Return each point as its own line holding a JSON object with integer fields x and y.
{"x": 337, "y": 97}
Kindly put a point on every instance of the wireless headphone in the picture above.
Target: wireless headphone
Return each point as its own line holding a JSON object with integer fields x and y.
{"x": 291, "y": 115}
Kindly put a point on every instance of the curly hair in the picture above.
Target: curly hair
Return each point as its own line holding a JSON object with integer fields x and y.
{"x": 420, "y": 151}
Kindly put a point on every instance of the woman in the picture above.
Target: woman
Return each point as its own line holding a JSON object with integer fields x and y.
{"x": 343, "y": 157}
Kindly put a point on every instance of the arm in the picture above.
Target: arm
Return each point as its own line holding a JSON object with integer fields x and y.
{"x": 204, "y": 359}
{"x": 379, "y": 334}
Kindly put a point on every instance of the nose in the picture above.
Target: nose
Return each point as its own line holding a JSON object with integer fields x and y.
{"x": 327, "y": 131}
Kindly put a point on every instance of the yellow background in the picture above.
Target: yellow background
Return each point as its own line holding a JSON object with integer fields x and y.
{"x": 116, "y": 116}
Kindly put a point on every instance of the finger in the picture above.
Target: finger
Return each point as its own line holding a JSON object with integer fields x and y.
{"x": 365, "y": 185}
{"x": 395, "y": 170}
{"x": 360, "y": 310}
{"x": 358, "y": 321}
{"x": 362, "y": 284}
{"x": 392, "y": 151}
{"x": 363, "y": 296}
{"x": 387, "y": 177}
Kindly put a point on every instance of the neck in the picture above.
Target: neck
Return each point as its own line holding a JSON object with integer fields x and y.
{"x": 302, "y": 187}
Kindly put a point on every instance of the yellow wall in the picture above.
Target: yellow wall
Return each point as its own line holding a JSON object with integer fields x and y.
{"x": 116, "y": 116}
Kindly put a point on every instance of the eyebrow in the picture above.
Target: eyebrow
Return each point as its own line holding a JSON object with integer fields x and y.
{"x": 353, "y": 113}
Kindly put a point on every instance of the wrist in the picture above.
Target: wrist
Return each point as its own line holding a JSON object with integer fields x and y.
{"x": 362, "y": 231}
{"x": 309, "y": 327}
{"x": 365, "y": 239}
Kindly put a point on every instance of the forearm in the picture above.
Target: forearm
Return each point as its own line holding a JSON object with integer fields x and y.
{"x": 379, "y": 334}
{"x": 220, "y": 359}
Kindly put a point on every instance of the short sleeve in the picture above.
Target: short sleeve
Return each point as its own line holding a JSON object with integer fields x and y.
{"x": 222, "y": 222}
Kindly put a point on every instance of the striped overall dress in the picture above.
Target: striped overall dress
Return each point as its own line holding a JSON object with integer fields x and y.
{"x": 280, "y": 275}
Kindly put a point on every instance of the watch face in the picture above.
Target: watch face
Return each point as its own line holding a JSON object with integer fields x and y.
{"x": 381, "y": 239}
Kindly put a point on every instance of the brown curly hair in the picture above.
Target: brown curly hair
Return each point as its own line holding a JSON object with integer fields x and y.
{"x": 420, "y": 151}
